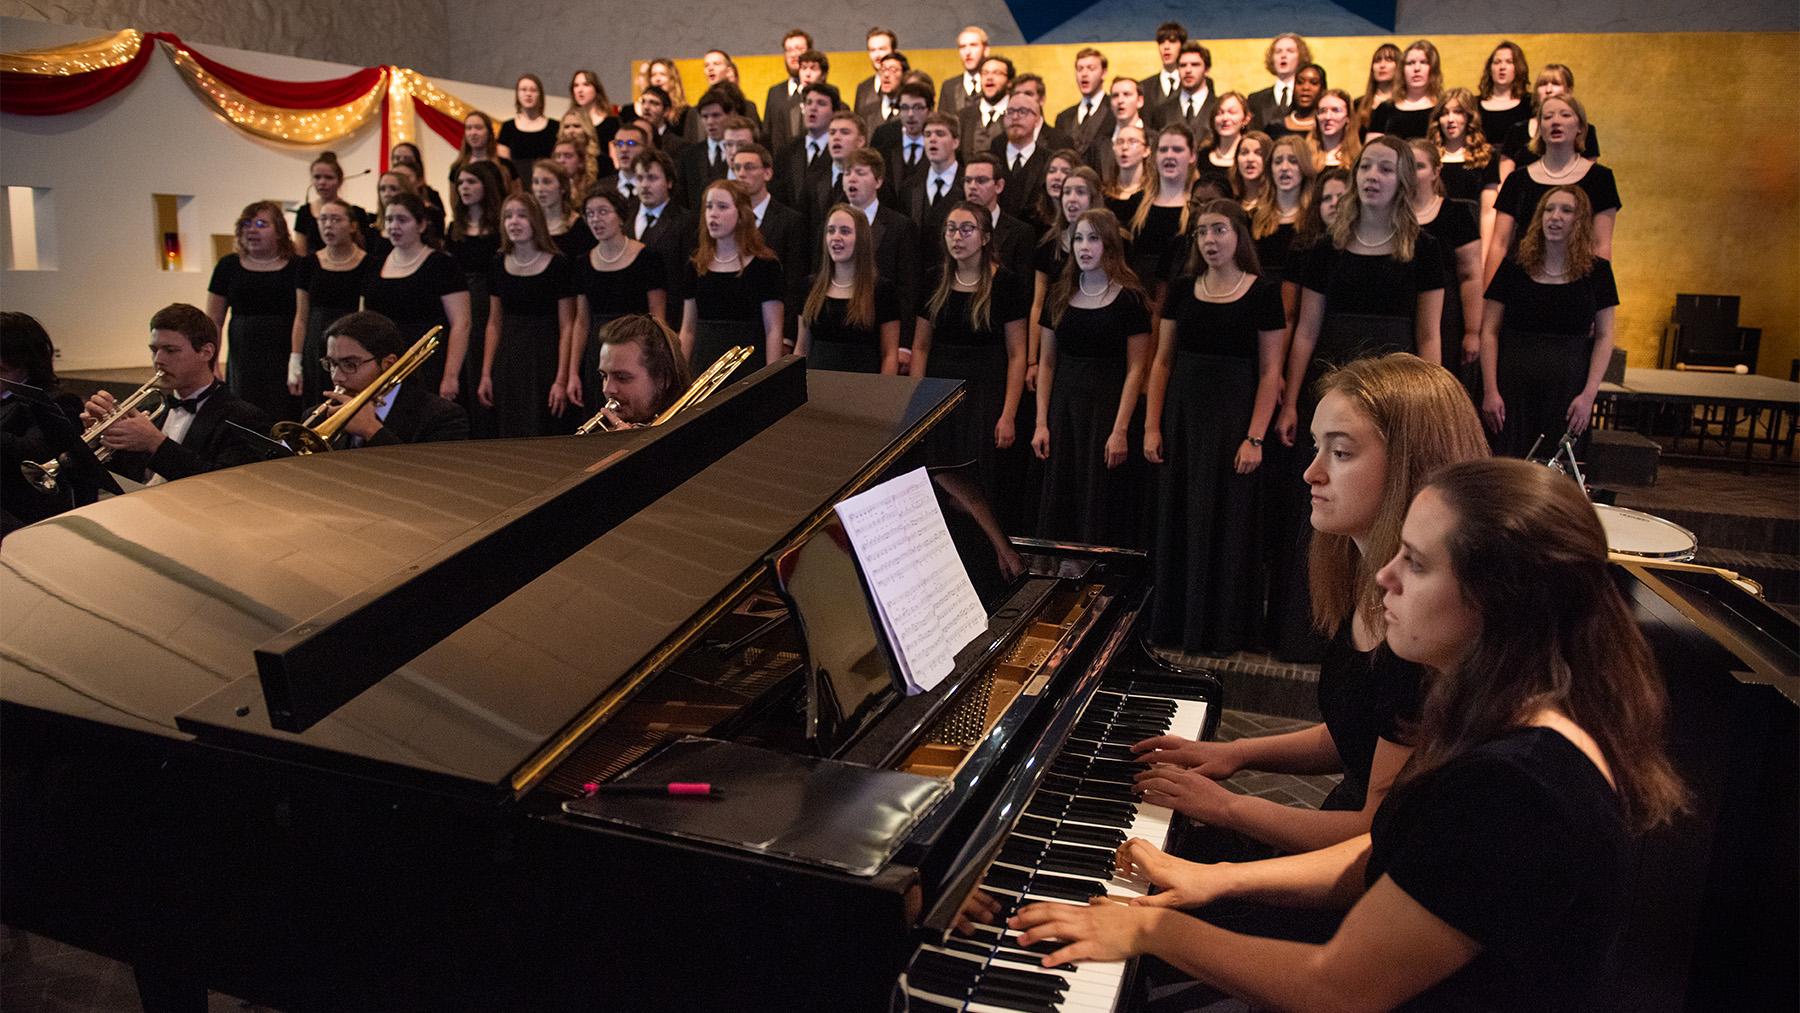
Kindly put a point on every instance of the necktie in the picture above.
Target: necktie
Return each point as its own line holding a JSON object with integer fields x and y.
{"x": 1281, "y": 97}
{"x": 192, "y": 404}
{"x": 812, "y": 151}
{"x": 1085, "y": 109}
{"x": 716, "y": 164}
{"x": 1018, "y": 160}
{"x": 630, "y": 190}
{"x": 992, "y": 116}
{"x": 1187, "y": 108}
{"x": 912, "y": 153}
{"x": 1169, "y": 81}
{"x": 649, "y": 221}
{"x": 937, "y": 186}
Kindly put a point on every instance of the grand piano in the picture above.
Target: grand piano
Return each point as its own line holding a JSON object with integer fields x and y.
{"x": 323, "y": 733}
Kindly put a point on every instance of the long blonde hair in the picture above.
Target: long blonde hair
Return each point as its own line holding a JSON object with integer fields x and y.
{"x": 1406, "y": 224}
{"x": 1350, "y": 147}
{"x": 1477, "y": 152}
{"x": 859, "y": 310}
{"x": 1112, "y": 263}
{"x": 1267, "y": 216}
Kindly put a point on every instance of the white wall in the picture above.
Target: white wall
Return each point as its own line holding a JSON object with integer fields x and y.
{"x": 103, "y": 164}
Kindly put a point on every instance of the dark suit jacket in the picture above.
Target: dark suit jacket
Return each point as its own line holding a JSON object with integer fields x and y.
{"x": 785, "y": 231}
{"x": 897, "y": 261}
{"x": 865, "y": 90}
{"x": 915, "y": 202}
{"x": 1152, "y": 89}
{"x": 1266, "y": 110}
{"x": 695, "y": 171}
{"x": 1098, "y": 125}
{"x": 1200, "y": 123}
{"x": 38, "y": 433}
{"x": 673, "y": 236}
{"x": 953, "y": 95}
{"x": 775, "y": 114}
{"x": 793, "y": 173}
{"x": 977, "y": 136}
{"x": 210, "y": 443}
{"x": 419, "y": 416}
{"x": 1024, "y": 185}
{"x": 1014, "y": 243}
{"x": 890, "y": 140}
{"x": 870, "y": 111}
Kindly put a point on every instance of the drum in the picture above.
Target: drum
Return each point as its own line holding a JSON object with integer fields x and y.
{"x": 1631, "y": 533}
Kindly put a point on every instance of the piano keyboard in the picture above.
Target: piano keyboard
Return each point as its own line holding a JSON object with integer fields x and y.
{"x": 1061, "y": 850}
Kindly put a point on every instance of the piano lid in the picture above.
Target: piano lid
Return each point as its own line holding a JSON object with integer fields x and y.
{"x": 146, "y": 608}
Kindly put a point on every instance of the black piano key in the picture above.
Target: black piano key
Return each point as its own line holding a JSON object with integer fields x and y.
{"x": 1097, "y": 837}
{"x": 1078, "y": 890}
{"x": 953, "y": 967}
{"x": 1008, "y": 1002}
{"x": 916, "y": 1003}
{"x": 1037, "y": 826}
{"x": 1006, "y": 879}
{"x": 1076, "y": 866}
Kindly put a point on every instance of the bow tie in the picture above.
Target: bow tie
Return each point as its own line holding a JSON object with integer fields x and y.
{"x": 192, "y": 404}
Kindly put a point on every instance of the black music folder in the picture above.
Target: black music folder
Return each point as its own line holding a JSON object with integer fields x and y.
{"x": 818, "y": 811}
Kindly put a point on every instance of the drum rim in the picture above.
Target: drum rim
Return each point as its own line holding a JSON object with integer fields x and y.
{"x": 1678, "y": 555}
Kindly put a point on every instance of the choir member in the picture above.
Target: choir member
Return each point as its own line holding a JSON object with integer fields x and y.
{"x": 642, "y": 369}
{"x": 1164, "y": 212}
{"x": 1126, "y": 98}
{"x": 1249, "y": 181}
{"x": 529, "y": 135}
{"x": 983, "y": 119}
{"x": 388, "y": 185}
{"x": 1048, "y": 137}
{"x": 1277, "y": 218}
{"x": 1088, "y": 122}
{"x": 1334, "y": 137}
{"x": 1562, "y": 132}
{"x": 256, "y": 284}
{"x": 984, "y": 183}
{"x": 653, "y": 110}
{"x": 1162, "y": 86}
{"x": 627, "y": 142}
{"x": 195, "y": 434}
{"x": 479, "y": 144}
{"x": 705, "y": 160}
{"x": 1547, "y": 336}
{"x": 1218, "y": 150}
{"x": 1046, "y": 211}
{"x": 893, "y": 235}
{"x": 1026, "y": 159}
{"x": 327, "y": 179}
{"x": 783, "y": 98}
{"x": 972, "y": 329}
{"x": 1129, "y": 179}
{"x": 405, "y": 156}
{"x": 883, "y": 106}
{"x": 1302, "y": 116}
{"x": 927, "y": 198}
{"x": 959, "y": 91}
{"x": 554, "y": 193}
{"x": 1496, "y": 876}
{"x": 1504, "y": 93}
{"x": 782, "y": 228}
{"x": 1520, "y": 147}
{"x": 587, "y": 96}
{"x": 333, "y": 286}
{"x": 851, "y": 318}
{"x": 843, "y": 135}
{"x": 359, "y": 348}
{"x": 1458, "y": 232}
{"x": 1081, "y": 192}
{"x": 531, "y": 318}
{"x": 474, "y": 242}
{"x": 1193, "y": 102}
{"x": 901, "y": 140}
{"x": 1407, "y": 113}
{"x": 34, "y": 428}
{"x": 658, "y": 223}
{"x": 1095, "y": 334}
{"x": 805, "y": 158}
{"x": 1328, "y": 190}
{"x": 1471, "y": 164}
{"x": 1213, "y": 385}
{"x": 732, "y": 284}
{"x": 1384, "y": 79}
{"x": 1287, "y": 53}
{"x": 676, "y": 121}
{"x": 418, "y": 288}
{"x": 880, "y": 42}
{"x": 618, "y": 276}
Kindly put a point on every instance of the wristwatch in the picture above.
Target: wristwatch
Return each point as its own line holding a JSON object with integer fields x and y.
{"x": 1253, "y": 441}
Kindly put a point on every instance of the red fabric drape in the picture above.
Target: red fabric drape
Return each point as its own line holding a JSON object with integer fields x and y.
{"x": 53, "y": 95}
{"x": 442, "y": 124}
{"x": 286, "y": 94}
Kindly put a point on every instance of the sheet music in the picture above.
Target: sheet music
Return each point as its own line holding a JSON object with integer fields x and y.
{"x": 928, "y": 606}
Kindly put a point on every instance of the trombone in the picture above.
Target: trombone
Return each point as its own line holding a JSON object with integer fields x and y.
{"x": 43, "y": 474}
{"x": 702, "y": 388}
{"x": 316, "y": 433}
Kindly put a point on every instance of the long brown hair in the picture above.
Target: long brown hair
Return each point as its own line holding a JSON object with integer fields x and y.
{"x": 1530, "y": 556}
{"x": 1539, "y": 145}
{"x": 466, "y": 154}
{"x": 271, "y": 211}
{"x": 1406, "y": 224}
{"x": 1579, "y": 253}
{"x": 540, "y": 230}
{"x": 1366, "y": 102}
{"x": 1350, "y": 147}
{"x": 1261, "y": 189}
{"x": 1266, "y": 219}
{"x": 981, "y": 300}
{"x": 1245, "y": 257}
{"x": 1313, "y": 227}
{"x": 749, "y": 240}
{"x": 493, "y": 193}
{"x": 1477, "y": 152}
{"x": 859, "y": 310}
{"x": 1520, "y": 87}
{"x": 1434, "y": 80}
{"x": 1426, "y": 421}
{"x": 1153, "y": 185}
{"x": 1112, "y": 263}
{"x": 1049, "y": 210}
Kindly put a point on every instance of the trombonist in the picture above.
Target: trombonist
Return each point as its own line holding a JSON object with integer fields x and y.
{"x": 642, "y": 370}
{"x": 192, "y": 436}
{"x": 358, "y": 349}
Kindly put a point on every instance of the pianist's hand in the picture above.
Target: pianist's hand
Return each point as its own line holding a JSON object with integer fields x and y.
{"x": 978, "y": 908}
{"x": 1186, "y": 791}
{"x": 1214, "y": 759}
{"x": 1104, "y": 930}
{"x": 1180, "y": 883}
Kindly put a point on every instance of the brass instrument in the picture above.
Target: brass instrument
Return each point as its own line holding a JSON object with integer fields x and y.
{"x": 316, "y": 433}
{"x": 702, "y": 388}
{"x": 43, "y": 474}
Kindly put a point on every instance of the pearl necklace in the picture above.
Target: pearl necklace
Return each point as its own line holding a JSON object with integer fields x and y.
{"x": 1081, "y": 283}
{"x": 1381, "y": 242}
{"x": 394, "y": 261}
{"x": 525, "y": 265}
{"x": 1569, "y": 170}
{"x": 331, "y": 262}
{"x": 960, "y": 280}
{"x": 248, "y": 259}
{"x": 600, "y": 251}
{"x": 1210, "y": 294}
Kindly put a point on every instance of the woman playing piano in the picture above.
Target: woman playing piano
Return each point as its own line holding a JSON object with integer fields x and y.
{"x": 1382, "y": 426}
{"x": 1495, "y": 876}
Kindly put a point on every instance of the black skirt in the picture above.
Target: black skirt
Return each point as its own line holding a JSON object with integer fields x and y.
{"x": 314, "y": 381}
{"x": 524, "y": 369}
{"x": 968, "y": 434}
{"x": 1204, "y": 546}
{"x": 1083, "y": 499}
{"x": 713, "y": 338}
{"x": 590, "y": 364}
{"x": 257, "y": 370}
{"x": 482, "y": 423}
{"x": 844, "y": 356}
{"x": 1538, "y": 375}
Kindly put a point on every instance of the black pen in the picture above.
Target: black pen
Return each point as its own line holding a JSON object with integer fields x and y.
{"x": 684, "y": 788}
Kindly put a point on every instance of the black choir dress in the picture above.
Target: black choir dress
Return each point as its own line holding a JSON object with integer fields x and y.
{"x": 1205, "y": 543}
{"x": 1520, "y": 194}
{"x": 1365, "y": 696}
{"x": 837, "y": 345}
{"x": 611, "y": 294}
{"x": 1212, "y": 172}
{"x": 1048, "y": 260}
{"x": 1498, "y": 124}
{"x": 1156, "y": 244}
{"x": 1083, "y": 500}
{"x": 530, "y": 352}
{"x": 1455, "y": 226}
{"x": 1463, "y": 181}
{"x": 1124, "y": 207}
{"x": 728, "y": 309}
{"x": 527, "y": 146}
{"x": 307, "y": 225}
{"x": 260, "y": 331}
{"x": 977, "y": 357}
{"x": 575, "y": 243}
{"x": 1410, "y": 124}
{"x": 1275, "y": 253}
{"x": 415, "y": 304}
{"x": 330, "y": 293}
{"x": 474, "y": 255}
{"x": 1546, "y": 344}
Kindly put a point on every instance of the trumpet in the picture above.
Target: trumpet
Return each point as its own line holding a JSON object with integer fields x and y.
{"x": 599, "y": 422}
{"x": 316, "y": 433}
{"x": 702, "y": 388}
{"x": 43, "y": 474}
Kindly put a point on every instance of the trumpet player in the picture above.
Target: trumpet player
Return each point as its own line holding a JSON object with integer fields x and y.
{"x": 358, "y": 349}
{"x": 642, "y": 370}
{"x": 192, "y": 435}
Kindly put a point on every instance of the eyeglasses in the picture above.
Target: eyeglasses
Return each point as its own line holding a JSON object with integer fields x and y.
{"x": 623, "y": 143}
{"x": 1017, "y": 112}
{"x": 331, "y": 219}
{"x": 966, "y": 230}
{"x": 347, "y": 365}
{"x": 913, "y": 107}
{"x": 261, "y": 223}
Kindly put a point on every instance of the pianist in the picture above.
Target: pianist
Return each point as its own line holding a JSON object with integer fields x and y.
{"x": 358, "y": 349}
{"x": 194, "y": 434}
{"x": 641, "y": 369}
{"x": 1496, "y": 873}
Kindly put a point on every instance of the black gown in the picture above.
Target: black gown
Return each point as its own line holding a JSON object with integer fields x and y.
{"x": 728, "y": 309}
{"x": 260, "y": 331}
{"x": 1498, "y": 125}
{"x": 1516, "y": 145}
{"x": 1365, "y": 696}
{"x": 1520, "y": 195}
{"x": 330, "y": 294}
{"x": 1083, "y": 500}
{"x": 1218, "y": 175}
{"x": 1204, "y": 547}
{"x": 527, "y": 146}
{"x": 1275, "y": 253}
{"x": 610, "y": 295}
{"x": 474, "y": 255}
{"x": 307, "y": 225}
{"x": 1154, "y": 245}
{"x": 1463, "y": 181}
{"x": 1455, "y": 226}
{"x": 530, "y": 351}
{"x": 977, "y": 357}
{"x": 1410, "y": 124}
{"x": 837, "y": 345}
{"x": 415, "y": 304}
{"x": 1546, "y": 344}
{"x": 575, "y": 243}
